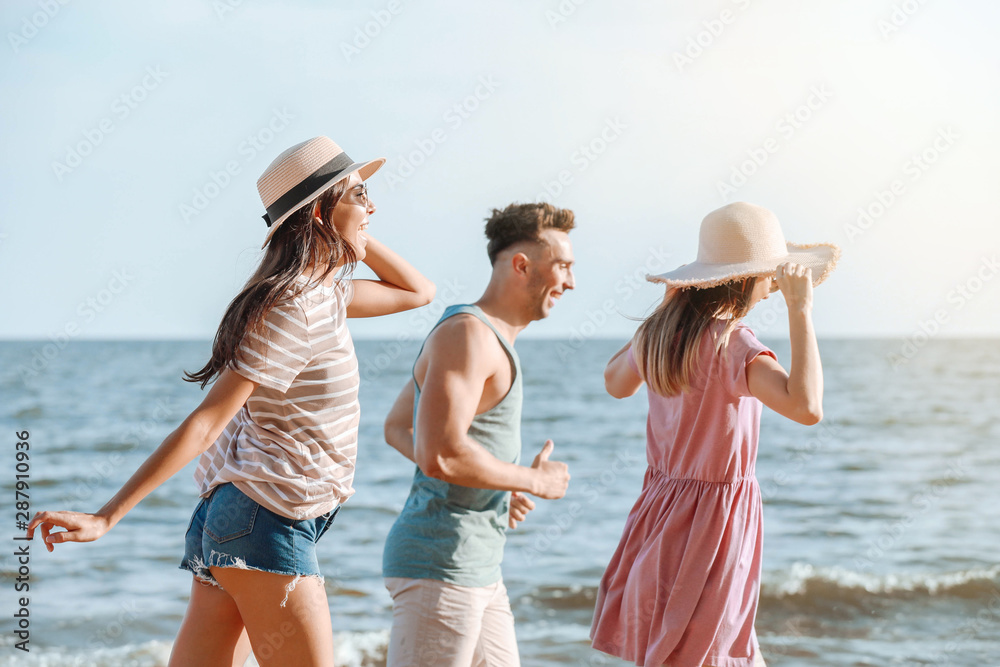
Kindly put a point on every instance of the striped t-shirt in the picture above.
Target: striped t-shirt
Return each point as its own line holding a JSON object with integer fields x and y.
{"x": 293, "y": 445}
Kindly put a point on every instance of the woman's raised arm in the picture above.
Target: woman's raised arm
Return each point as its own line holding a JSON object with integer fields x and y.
{"x": 399, "y": 287}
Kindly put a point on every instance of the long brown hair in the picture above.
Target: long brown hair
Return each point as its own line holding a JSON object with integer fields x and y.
{"x": 666, "y": 345}
{"x": 300, "y": 242}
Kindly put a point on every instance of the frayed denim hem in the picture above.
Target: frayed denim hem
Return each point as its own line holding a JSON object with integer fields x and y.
{"x": 218, "y": 559}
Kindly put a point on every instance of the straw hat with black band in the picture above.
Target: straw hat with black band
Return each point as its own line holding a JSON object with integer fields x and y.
{"x": 741, "y": 240}
{"x": 302, "y": 173}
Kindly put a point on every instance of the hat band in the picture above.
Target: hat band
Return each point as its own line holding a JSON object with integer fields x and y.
{"x": 306, "y": 187}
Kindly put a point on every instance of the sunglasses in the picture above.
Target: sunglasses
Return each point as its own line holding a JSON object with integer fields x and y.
{"x": 364, "y": 193}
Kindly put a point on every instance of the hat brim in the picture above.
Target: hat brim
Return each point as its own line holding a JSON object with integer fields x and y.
{"x": 365, "y": 169}
{"x": 821, "y": 258}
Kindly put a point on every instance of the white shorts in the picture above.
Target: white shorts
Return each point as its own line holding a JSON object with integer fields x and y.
{"x": 441, "y": 624}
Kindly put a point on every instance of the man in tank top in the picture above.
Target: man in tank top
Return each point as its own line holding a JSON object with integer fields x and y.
{"x": 459, "y": 419}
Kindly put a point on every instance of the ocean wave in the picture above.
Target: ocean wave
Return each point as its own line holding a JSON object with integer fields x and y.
{"x": 574, "y": 596}
{"x": 351, "y": 649}
{"x": 803, "y": 580}
{"x": 804, "y": 584}
{"x": 148, "y": 654}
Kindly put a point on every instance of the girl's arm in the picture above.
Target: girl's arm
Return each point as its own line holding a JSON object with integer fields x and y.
{"x": 399, "y": 422}
{"x": 195, "y": 435}
{"x": 399, "y": 287}
{"x": 620, "y": 379}
{"x": 797, "y": 394}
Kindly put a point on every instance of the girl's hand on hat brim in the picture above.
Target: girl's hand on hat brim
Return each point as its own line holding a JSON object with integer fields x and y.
{"x": 795, "y": 283}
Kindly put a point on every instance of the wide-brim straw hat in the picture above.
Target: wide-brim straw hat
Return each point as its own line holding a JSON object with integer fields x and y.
{"x": 742, "y": 240}
{"x": 302, "y": 173}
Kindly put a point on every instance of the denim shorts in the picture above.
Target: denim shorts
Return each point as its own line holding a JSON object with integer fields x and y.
{"x": 230, "y": 529}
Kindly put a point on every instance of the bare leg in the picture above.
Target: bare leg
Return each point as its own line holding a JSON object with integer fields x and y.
{"x": 212, "y": 632}
{"x": 300, "y": 633}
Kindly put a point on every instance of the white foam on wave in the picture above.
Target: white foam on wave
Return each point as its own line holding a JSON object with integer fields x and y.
{"x": 361, "y": 649}
{"x": 804, "y": 579}
{"x": 803, "y": 582}
{"x": 149, "y": 654}
{"x": 351, "y": 649}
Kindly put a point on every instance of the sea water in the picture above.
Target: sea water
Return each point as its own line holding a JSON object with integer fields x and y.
{"x": 881, "y": 524}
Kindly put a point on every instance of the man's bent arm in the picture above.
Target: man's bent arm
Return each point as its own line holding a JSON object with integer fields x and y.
{"x": 399, "y": 422}
{"x": 457, "y": 371}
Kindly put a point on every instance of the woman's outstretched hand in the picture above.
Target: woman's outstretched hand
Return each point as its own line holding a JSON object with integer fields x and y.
{"x": 80, "y": 527}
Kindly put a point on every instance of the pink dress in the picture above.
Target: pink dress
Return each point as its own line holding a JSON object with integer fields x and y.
{"x": 682, "y": 587}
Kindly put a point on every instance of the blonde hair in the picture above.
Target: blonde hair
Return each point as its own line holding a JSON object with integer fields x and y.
{"x": 667, "y": 343}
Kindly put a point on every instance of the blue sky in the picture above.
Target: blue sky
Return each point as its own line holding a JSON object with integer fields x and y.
{"x": 869, "y": 124}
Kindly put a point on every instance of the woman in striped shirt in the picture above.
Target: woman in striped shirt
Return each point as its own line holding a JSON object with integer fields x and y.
{"x": 277, "y": 432}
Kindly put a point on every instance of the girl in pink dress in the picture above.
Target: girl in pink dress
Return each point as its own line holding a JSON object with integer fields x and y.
{"x": 682, "y": 587}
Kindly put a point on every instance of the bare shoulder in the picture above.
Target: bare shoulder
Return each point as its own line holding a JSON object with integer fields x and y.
{"x": 463, "y": 354}
{"x": 463, "y": 338}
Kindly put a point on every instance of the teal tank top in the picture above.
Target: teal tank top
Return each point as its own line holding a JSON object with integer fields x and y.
{"x": 455, "y": 533}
